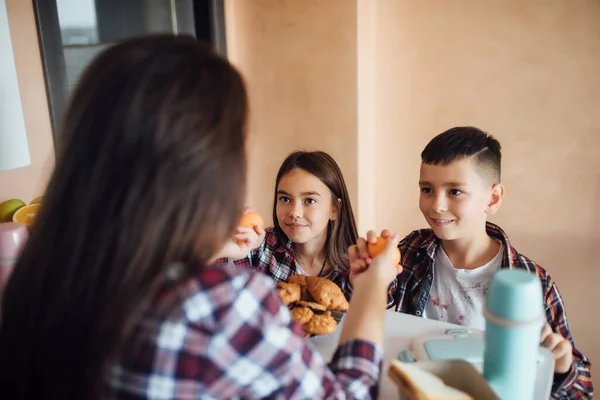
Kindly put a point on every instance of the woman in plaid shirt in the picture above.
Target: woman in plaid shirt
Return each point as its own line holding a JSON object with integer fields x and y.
{"x": 114, "y": 297}
{"x": 313, "y": 222}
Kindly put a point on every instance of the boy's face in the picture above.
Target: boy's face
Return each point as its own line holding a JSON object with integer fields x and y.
{"x": 456, "y": 199}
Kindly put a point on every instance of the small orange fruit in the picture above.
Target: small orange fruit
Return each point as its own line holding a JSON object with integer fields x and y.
{"x": 251, "y": 219}
{"x": 8, "y": 208}
{"x": 37, "y": 200}
{"x": 26, "y": 215}
{"x": 376, "y": 248}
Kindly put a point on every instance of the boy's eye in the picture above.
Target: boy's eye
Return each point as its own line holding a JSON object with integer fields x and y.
{"x": 455, "y": 192}
{"x": 284, "y": 199}
{"x": 310, "y": 201}
{"x": 426, "y": 190}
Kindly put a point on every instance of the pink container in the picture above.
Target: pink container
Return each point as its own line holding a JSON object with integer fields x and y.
{"x": 13, "y": 236}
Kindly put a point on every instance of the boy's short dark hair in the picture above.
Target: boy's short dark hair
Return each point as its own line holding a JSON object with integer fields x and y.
{"x": 465, "y": 141}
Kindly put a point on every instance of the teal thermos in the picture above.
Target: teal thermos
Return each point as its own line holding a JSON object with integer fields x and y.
{"x": 514, "y": 316}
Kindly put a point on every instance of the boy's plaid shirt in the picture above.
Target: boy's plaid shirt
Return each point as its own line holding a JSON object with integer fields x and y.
{"x": 409, "y": 294}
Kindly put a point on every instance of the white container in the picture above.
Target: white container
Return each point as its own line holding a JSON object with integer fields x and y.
{"x": 468, "y": 346}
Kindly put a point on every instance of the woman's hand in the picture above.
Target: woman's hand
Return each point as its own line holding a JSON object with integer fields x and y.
{"x": 376, "y": 272}
{"x": 358, "y": 254}
{"x": 365, "y": 316}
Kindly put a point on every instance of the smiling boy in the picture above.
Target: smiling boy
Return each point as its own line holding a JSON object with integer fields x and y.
{"x": 447, "y": 268}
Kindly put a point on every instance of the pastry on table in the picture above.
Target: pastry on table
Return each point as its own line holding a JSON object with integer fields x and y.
{"x": 288, "y": 292}
{"x": 321, "y": 324}
{"x": 302, "y": 314}
{"x": 311, "y": 301}
{"x": 298, "y": 279}
{"x": 312, "y": 305}
{"x": 327, "y": 293}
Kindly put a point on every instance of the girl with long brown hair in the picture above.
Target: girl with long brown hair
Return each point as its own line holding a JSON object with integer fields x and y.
{"x": 313, "y": 222}
{"x": 114, "y": 297}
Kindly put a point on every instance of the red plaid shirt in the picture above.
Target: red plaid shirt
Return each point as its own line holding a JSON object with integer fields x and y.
{"x": 275, "y": 257}
{"x": 409, "y": 294}
{"x": 226, "y": 334}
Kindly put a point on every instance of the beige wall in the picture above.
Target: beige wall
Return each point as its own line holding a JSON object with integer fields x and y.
{"x": 526, "y": 71}
{"x": 29, "y": 182}
{"x": 299, "y": 60}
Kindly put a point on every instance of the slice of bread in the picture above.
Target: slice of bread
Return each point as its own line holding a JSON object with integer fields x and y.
{"x": 418, "y": 384}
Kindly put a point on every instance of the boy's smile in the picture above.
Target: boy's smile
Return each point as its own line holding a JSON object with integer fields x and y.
{"x": 441, "y": 222}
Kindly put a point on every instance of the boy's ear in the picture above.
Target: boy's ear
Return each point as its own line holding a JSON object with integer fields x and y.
{"x": 496, "y": 197}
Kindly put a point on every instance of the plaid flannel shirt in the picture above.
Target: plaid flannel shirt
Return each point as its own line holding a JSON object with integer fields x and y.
{"x": 226, "y": 334}
{"x": 409, "y": 294}
{"x": 275, "y": 257}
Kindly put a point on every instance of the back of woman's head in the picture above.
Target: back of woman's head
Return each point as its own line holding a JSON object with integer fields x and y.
{"x": 341, "y": 232}
{"x": 150, "y": 172}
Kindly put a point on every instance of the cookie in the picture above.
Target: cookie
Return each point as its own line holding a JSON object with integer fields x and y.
{"x": 327, "y": 293}
{"x": 312, "y": 305}
{"x": 321, "y": 324}
{"x": 302, "y": 314}
{"x": 288, "y": 292}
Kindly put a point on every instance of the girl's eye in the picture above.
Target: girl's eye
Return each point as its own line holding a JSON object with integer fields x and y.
{"x": 284, "y": 199}
{"x": 426, "y": 190}
{"x": 310, "y": 201}
{"x": 455, "y": 192}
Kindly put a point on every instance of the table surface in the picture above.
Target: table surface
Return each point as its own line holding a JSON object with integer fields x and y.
{"x": 399, "y": 329}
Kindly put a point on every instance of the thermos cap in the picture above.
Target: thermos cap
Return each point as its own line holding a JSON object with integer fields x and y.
{"x": 515, "y": 295}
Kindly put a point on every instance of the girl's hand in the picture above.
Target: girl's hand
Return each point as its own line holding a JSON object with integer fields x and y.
{"x": 244, "y": 240}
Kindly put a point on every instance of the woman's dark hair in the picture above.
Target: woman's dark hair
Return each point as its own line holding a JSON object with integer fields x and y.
{"x": 150, "y": 172}
{"x": 341, "y": 233}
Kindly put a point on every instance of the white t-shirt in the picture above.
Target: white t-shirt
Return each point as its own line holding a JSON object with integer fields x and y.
{"x": 458, "y": 295}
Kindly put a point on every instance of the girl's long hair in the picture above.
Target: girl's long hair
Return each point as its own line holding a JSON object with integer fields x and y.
{"x": 341, "y": 233}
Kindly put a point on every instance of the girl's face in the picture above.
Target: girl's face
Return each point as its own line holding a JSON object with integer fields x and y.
{"x": 304, "y": 207}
